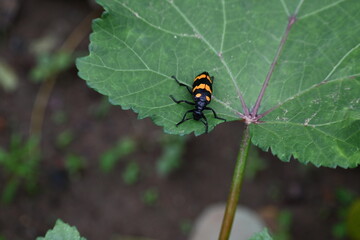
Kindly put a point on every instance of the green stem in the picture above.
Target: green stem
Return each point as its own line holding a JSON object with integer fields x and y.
{"x": 235, "y": 186}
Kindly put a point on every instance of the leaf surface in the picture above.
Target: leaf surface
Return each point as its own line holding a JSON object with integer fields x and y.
{"x": 311, "y": 101}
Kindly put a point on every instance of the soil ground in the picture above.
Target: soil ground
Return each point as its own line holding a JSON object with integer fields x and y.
{"x": 101, "y": 205}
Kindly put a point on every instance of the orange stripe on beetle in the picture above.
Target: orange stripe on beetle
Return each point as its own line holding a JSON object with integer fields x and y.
{"x": 202, "y": 86}
{"x": 201, "y": 76}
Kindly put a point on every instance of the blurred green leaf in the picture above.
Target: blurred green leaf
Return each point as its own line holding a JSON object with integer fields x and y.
{"x": 173, "y": 148}
{"x": 353, "y": 220}
{"x": 51, "y": 64}
{"x": 186, "y": 226}
{"x": 64, "y": 139}
{"x": 59, "y": 117}
{"x": 131, "y": 173}
{"x": 284, "y": 221}
{"x": 62, "y": 231}
{"x": 9, "y": 190}
{"x": 339, "y": 230}
{"x": 110, "y": 157}
{"x": 74, "y": 163}
{"x": 263, "y": 235}
{"x": 44, "y": 44}
{"x": 150, "y": 196}
{"x": 8, "y": 78}
{"x": 20, "y": 163}
{"x": 345, "y": 196}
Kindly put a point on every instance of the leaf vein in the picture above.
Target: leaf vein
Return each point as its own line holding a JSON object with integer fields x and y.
{"x": 340, "y": 61}
{"x": 153, "y": 25}
{"x": 285, "y": 8}
{"x": 314, "y": 128}
{"x": 224, "y": 25}
{"x": 310, "y": 89}
{"x": 127, "y": 46}
{"x": 322, "y": 9}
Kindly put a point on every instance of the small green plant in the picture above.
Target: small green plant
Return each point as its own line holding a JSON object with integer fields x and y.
{"x": 131, "y": 173}
{"x": 173, "y": 148}
{"x": 345, "y": 199}
{"x": 339, "y": 230}
{"x": 122, "y": 148}
{"x": 59, "y": 117}
{"x": 284, "y": 224}
{"x": 49, "y": 64}
{"x": 64, "y": 139}
{"x": 150, "y": 196}
{"x": 353, "y": 220}
{"x": 20, "y": 164}
{"x": 8, "y": 78}
{"x": 74, "y": 163}
{"x": 344, "y": 196}
{"x": 185, "y": 226}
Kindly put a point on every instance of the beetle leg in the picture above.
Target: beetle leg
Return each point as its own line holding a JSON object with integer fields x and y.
{"x": 183, "y": 119}
{"x": 205, "y": 122}
{"x": 215, "y": 115}
{"x": 181, "y": 84}
{"x": 181, "y": 101}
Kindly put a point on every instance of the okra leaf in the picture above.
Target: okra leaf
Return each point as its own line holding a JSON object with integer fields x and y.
{"x": 306, "y": 52}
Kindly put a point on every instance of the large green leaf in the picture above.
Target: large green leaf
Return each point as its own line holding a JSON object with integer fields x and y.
{"x": 313, "y": 94}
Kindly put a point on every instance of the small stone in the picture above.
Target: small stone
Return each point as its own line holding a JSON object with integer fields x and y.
{"x": 207, "y": 225}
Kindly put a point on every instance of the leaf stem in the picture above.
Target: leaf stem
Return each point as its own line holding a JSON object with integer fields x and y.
{"x": 255, "y": 110}
{"x": 235, "y": 186}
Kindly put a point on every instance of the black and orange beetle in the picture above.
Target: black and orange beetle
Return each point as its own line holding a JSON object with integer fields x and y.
{"x": 201, "y": 92}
